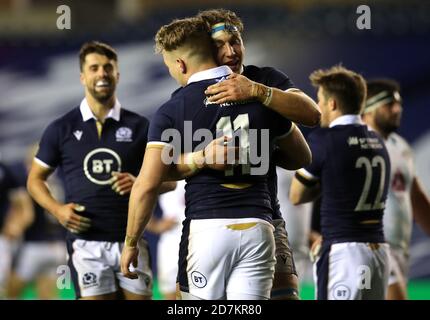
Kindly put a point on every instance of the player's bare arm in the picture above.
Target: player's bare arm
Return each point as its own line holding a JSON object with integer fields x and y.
{"x": 302, "y": 191}
{"x": 143, "y": 198}
{"x": 420, "y": 205}
{"x": 293, "y": 151}
{"x": 20, "y": 214}
{"x": 65, "y": 213}
{"x": 123, "y": 182}
{"x": 159, "y": 226}
{"x": 292, "y": 104}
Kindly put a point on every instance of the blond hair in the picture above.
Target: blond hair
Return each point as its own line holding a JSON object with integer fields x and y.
{"x": 189, "y": 34}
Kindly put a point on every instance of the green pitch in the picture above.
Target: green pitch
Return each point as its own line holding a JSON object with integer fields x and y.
{"x": 417, "y": 290}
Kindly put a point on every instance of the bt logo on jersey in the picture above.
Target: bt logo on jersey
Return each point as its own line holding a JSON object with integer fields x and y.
{"x": 99, "y": 164}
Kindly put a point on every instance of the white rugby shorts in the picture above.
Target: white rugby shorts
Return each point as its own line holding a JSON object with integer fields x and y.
{"x": 226, "y": 259}
{"x": 96, "y": 270}
{"x": 352, "y": 271}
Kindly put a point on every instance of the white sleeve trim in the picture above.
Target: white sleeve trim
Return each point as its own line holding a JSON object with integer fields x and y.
{"x": 293, "y": 89}
{"x": 159, "y": 143}
{"x": 307, "y": 174}
{"x": 293, "y": 126}
{"x": 43, "y": 164}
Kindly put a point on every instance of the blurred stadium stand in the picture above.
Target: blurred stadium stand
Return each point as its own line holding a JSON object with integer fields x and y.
{"x": 39, "y": 74}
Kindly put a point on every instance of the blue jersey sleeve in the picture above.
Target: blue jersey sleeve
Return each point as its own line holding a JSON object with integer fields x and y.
{"x": 161, "y": 122}
{"x": 145, "y": 130}
{"x": 316, "y": 141}
{"x": 284, "y": 126}
{"x": 48, "y": 154}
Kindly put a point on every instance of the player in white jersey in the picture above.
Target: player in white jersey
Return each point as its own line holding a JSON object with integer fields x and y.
{"x": 406, "y": 199}
{"x": 173, "y": 206}
{"x": 298, "y": 224}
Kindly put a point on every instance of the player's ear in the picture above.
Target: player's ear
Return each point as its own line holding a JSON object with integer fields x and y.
{"x": 82, "y": 78}
{"x": 332, "y": 104}
{"x": 182, "y": 66}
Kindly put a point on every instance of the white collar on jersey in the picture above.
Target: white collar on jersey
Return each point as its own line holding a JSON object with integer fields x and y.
{"x": 346, "y": 119}
{"x": 87, "y": 114}
{"x": 213, "y": 73}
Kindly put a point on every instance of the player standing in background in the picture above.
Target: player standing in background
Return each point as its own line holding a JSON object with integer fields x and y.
{"x": 99, "y": 146}
{"x": 350, "y": 169}
{"x": 298, "y": 226}
{"x": 42, "y": 248}
{"x": 227, "y": 246}
{"x": 277, "y": 92}
{"x": 406, "y": 198}
{"x": 15, "y": 205}
{"x": 173, "y": 206}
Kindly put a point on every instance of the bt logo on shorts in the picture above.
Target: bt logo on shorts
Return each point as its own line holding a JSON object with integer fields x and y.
{"x": 99, "y": 164}
{"x": 341, "y": 292}
{"x": 198, "y": 279}
{"x": 89, "y": 279}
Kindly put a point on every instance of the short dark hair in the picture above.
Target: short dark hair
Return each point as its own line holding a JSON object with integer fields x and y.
{"x": 347, "y": 87}
{"x": 96, "y": 47}
{"x": 375, "y": 86}
{"x": 214, "y": 16}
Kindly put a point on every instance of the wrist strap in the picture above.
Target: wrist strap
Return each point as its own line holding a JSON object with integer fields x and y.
{"x": 269, "y": 95}
{"x": 130, "y": 241}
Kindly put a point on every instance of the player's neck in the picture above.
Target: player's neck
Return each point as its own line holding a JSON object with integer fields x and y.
{"x": 100, "y": 109}
{"x": 201, "y": 67}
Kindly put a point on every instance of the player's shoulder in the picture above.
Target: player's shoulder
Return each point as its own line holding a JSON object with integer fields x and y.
{"x": 320, "y": 134}
{"x": 255, "y": 71}
{"x": 397, "y": 141}
{"x": 269, "y": 76}
{"x": 170, "y": 105}
{"x": 174, "y": 93}
{"x": 395, "y": 138}
{"x": 66, "y": 120}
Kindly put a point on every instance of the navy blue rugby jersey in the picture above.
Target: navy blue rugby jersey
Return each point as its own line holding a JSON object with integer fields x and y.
{"x": 7, "y": 184}
{"x": 72, "y": 143}
{"x": 273, "y": 78}
{"x": 212, "y": 194}
{"x": 352, "y": 165}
